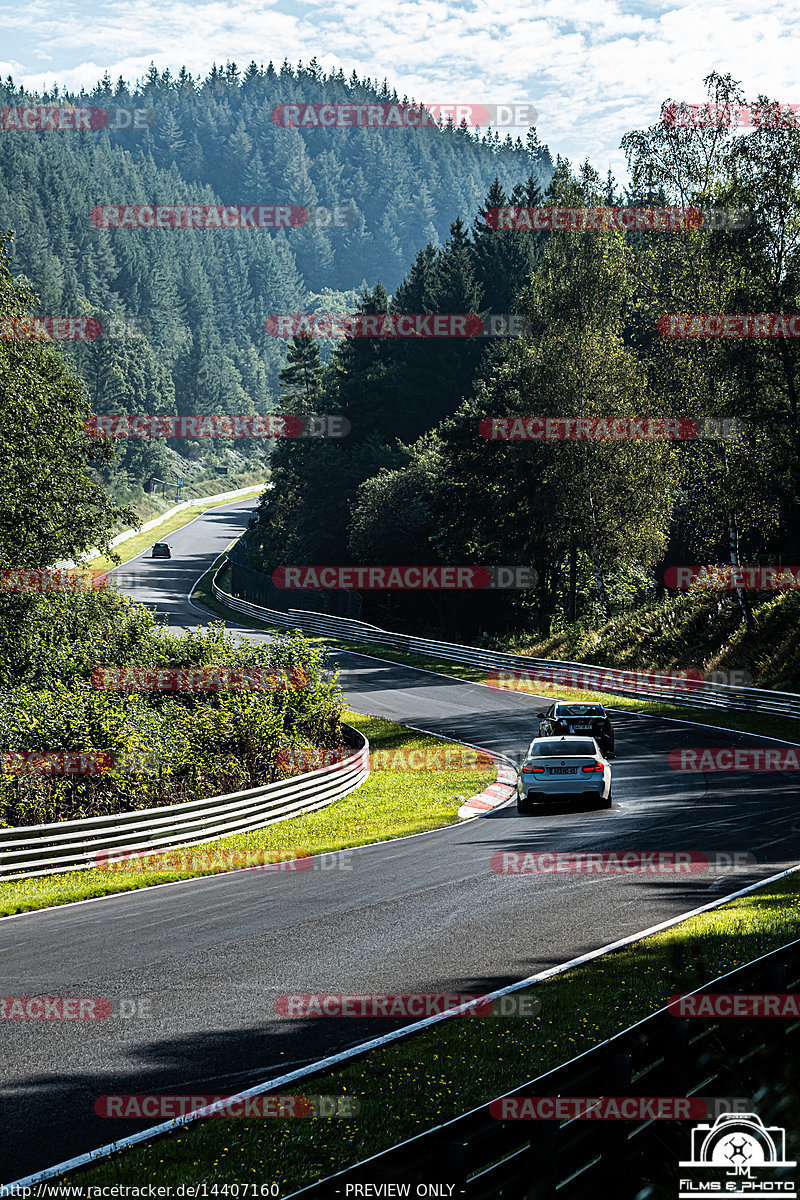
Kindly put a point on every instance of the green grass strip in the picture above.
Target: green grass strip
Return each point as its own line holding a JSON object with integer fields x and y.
{"x": 454, "y": 1066}
{"x": 784, "y": 728}
{"x": 390, "y": 804}
{"x": 159, "y": 533}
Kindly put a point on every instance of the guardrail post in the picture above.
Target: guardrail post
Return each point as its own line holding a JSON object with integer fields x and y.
{"x": 776, "y": 1028}
{"x": 543, "y": 1154}
{"x": 776, "y": 977}
{"x": 452, "y": 1164}
{"x": 676, "y": 1057}
{"x": 613, "y": 1171}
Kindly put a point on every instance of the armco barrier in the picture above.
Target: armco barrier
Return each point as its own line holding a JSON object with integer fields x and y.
{"x": 240, "y": 493}
{"x": 27, "y": 851}
{"x": 480, "y": 1157}
{"x": 769, "y": 970}
{"x": 693, "y": 694}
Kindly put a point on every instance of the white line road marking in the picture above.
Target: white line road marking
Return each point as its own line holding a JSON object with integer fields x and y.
{"x": 385, "y": 1039}
{"x": 774, "y": 842}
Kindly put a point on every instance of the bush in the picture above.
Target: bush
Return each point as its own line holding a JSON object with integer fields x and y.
{"x": 154, "y": 747}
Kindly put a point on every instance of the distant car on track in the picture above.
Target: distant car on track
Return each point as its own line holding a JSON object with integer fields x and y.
{"x": 568, "y": 716}
{"x": 162, "y": 550}
{"x": 560, "y": 768}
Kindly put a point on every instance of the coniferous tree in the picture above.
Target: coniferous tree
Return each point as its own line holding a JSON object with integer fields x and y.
{"x": 302, "y": 375}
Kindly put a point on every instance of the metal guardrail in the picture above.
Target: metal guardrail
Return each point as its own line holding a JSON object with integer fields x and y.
{"x": 31, "y": 850}
{"x": 689, "y": 693}
{"x": 484, "y": 1158}
{"x": 127, "y": 534}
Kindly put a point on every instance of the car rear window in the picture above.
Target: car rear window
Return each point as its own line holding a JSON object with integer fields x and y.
{"x": 570, "y": 748}
{"x": 580, "y": 710}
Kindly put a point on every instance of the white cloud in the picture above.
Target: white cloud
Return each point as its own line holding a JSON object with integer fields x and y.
{"x": 593, "y": 70}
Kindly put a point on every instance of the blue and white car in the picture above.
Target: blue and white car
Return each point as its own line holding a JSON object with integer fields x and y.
{"x": 563, "y": 768}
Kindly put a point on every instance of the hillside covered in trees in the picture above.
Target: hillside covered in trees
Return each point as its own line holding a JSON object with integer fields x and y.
{"x": 415, "y": 482}
{"x": 201, "y": 297}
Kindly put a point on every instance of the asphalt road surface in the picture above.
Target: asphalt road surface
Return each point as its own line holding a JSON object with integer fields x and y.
{"x": 424, "y": 914}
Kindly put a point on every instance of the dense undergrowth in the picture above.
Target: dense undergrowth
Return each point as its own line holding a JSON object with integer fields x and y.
{"x": 153, "y": 747}
{"x": 698, "y": 630}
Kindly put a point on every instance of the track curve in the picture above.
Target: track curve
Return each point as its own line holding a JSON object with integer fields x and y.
{"x": 424, "y": 914}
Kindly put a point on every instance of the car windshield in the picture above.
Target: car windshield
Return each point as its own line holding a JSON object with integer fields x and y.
{"x": 568, "y": 748}
{"x": 580, "y": 710}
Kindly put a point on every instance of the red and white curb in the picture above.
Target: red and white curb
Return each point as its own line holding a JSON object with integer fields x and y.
{"x": 493, "y": 796}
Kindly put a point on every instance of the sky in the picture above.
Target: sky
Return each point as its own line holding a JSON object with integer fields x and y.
{"x": 593, "y": 69}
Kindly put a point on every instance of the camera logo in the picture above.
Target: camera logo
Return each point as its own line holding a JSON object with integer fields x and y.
{"x": 738, "y": 1143}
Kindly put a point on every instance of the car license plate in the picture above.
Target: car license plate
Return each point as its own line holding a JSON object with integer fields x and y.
{"x": 562, "y": 770}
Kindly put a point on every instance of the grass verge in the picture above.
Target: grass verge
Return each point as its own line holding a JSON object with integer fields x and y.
{"x": 135, "y": 545}
{"x": 439, "y": 1073}
{"x": 202, "y": 594}
{"x": 783, "y": 728}
{"x": 390, "y": 804}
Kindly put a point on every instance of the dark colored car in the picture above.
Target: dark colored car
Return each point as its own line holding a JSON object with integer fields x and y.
{"x": 162, "y": 550}
{"x": 572, "y": 717}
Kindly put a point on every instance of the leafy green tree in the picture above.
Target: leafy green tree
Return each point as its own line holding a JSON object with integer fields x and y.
{"x": 739, "y": 493}
{"x": 51, "y": 507}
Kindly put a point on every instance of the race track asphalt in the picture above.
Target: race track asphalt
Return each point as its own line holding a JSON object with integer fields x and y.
{"x": 424, "y": 914}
